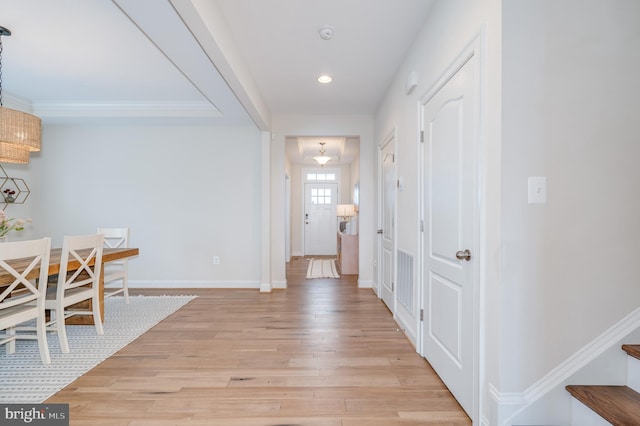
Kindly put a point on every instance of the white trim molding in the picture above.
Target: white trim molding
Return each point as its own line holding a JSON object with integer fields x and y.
{"x": 511, "y": 404}
{"x": 193, "y": 284}
{"x": 365, "y": 283}
{"x": 265, "y": 216}
{"x": 182, "y": 109}
{"x": 279, "y": 285}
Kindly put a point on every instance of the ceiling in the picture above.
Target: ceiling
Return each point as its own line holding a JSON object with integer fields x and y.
{"x": 221, "y": 61}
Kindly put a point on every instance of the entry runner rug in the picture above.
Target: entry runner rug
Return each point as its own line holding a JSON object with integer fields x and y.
{"x": 23, "y": 377}
{"x": 322, "y": 268}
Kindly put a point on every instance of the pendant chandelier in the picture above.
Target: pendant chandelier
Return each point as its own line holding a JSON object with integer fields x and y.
{"x": 322, "y": 159}
{"x": 20, "y": 133}
{"x": 10, "y": 153}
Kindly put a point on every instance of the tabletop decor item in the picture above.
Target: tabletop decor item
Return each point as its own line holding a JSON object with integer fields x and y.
{"x": 9, "y": 197}
{"x": 10, "y": 224}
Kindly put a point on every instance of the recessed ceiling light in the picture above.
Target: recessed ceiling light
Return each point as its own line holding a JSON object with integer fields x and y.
{"x": 324, "y": 79}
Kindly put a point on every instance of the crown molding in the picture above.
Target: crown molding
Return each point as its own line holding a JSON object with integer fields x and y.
{"x": 181, "y": 109}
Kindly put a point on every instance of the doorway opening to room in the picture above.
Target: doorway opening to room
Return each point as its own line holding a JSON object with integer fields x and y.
{"x": 316, "y": 199}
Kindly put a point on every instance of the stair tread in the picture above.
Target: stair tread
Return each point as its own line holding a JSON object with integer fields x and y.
{"x": 632, "y": 350}
{"x": 619, "y": 405}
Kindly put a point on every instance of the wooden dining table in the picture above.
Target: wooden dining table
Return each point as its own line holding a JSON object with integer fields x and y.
{"x": 108, "y": 255}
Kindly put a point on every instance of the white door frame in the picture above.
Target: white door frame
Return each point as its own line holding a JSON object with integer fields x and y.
{"x": 473, "y": 49}
{"x": 287, "y": 218}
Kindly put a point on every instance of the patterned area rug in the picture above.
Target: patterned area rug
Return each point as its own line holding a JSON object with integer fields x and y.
{"x": 322, "y": 268}
{"x": 23, "y": 378}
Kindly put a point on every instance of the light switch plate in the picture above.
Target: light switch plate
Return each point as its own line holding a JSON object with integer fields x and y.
{"x": 537, "y": 192}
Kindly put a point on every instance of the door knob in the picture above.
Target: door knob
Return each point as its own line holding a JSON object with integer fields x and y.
{"x": 464, "y": 255}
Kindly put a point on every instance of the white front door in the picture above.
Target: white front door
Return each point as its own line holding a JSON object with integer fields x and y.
{"x": 450, "y": 185}
{"x": 320, "y": 220}
{"x": 387, "y": 222}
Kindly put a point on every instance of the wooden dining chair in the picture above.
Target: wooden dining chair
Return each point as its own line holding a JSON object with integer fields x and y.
{"x": 117, "y": 270}
{"x": 76, "y": 284}
{"x": 23, "y": 298}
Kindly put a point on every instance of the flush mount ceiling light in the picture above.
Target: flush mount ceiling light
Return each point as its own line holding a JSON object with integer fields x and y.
{"x": 324, "y": 79}
{"x": 322, "y": 159}
{"x": 20, "y": 132}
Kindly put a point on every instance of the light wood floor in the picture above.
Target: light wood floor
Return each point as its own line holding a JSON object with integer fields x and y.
{"x": 323, "y": 352}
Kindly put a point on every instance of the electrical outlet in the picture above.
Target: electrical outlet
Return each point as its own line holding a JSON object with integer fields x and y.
{"x": 216, "y": 260}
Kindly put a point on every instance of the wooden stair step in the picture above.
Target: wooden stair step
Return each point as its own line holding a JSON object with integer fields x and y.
{"x": 632, "y": 350}
{"x": 619, "y": 405}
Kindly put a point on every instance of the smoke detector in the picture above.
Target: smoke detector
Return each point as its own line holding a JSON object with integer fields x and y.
{"x": 326, "y": 33}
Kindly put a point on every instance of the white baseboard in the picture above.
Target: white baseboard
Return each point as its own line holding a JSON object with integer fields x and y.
{"x": 365, "y": 284}
{"x": 193, "y": 284}
{"x": 275, "y": 285}
{"x": 375, "y": 288}
{"x": 265, "y": 287}
{"x": 279, "y": 285}
{"x": 408, "y": 330}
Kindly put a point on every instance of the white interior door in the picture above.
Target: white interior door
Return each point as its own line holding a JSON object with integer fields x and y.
{"x": 320, "y": 222}
{"x": 449, "y": 125}
{"x": 387, "y": 223}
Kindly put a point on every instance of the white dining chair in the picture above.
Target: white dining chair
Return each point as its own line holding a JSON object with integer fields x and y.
{"x": 23, "y": 300}
{"x": 117, "y": 270}
{"x": 76, "y": 285}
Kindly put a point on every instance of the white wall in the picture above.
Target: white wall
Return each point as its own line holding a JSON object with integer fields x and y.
{"x": 187, "y": 193}
{"x": 571, "y": 114}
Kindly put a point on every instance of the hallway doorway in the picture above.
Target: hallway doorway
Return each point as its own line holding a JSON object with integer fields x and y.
{"x": 313, "y": 227}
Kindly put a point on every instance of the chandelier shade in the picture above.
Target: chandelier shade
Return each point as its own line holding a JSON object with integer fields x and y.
{"x": 322, "y": 159}
{"x": 20, "y": 129}
{"x": 10, "y": 153}
{"x": 20, "y": 132}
